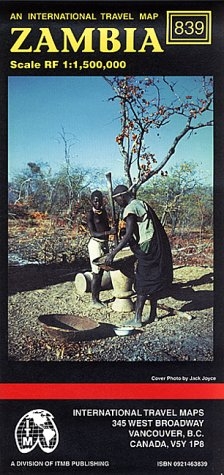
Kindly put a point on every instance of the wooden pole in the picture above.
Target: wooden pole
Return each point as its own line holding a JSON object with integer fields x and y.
{"x": 110, "y": 192}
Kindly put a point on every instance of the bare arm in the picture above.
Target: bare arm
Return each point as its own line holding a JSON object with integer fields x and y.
{"x": 130, "y": 225}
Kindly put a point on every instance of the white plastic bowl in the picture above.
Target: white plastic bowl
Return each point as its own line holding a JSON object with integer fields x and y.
{"x": 123, "y": 331}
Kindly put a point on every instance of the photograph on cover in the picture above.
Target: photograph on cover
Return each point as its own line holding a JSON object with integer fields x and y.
{"x": 110, "y": 198}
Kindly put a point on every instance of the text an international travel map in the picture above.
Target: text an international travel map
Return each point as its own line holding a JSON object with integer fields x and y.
{"x": 111, "y": 253}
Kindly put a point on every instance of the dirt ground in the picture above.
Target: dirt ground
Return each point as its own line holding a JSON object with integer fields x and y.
{"x": 185, "y": 333}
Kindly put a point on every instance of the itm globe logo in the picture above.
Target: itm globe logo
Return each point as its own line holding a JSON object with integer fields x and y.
{"x": 36, "y": 427}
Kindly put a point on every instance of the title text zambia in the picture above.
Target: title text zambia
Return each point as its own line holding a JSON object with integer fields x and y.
{"x": 104, "y": 40}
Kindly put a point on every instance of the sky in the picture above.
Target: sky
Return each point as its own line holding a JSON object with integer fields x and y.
{"x": 39, "y": 106}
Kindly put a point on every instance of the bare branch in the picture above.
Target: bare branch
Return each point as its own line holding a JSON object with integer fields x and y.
{"x": 139, "y": 114}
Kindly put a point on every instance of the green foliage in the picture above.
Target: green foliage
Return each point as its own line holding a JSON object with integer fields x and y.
{"x": 180, "y": 198}
{"x": 63, "y": 192}
{"x": 66, "y": 188}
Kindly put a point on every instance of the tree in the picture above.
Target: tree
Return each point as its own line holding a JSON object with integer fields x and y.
{"x": 202, "y": 206}
{"x": 39, "y": 188}
{"x": 31, "y": 187}
{"x": 68, "y": 142}
{"x": 72, "y": 182}
{"x": 147, "y": 107}
{"x": 68, "y": 189}
{"x": 181, "y": 199}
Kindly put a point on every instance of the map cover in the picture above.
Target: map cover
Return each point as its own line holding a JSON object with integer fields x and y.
{"x": 112, "y": 237}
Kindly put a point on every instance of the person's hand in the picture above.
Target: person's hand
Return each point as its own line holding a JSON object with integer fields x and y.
{"x": 109, "y": 258}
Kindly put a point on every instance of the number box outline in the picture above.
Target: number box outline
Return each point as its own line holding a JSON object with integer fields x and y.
{"x": 207, "y": 14}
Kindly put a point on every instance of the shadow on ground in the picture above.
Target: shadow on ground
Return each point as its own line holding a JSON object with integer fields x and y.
{"x": 57, "y": 327}
{"x": 193, "y": 299}
{"x": 33, "y": 276}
